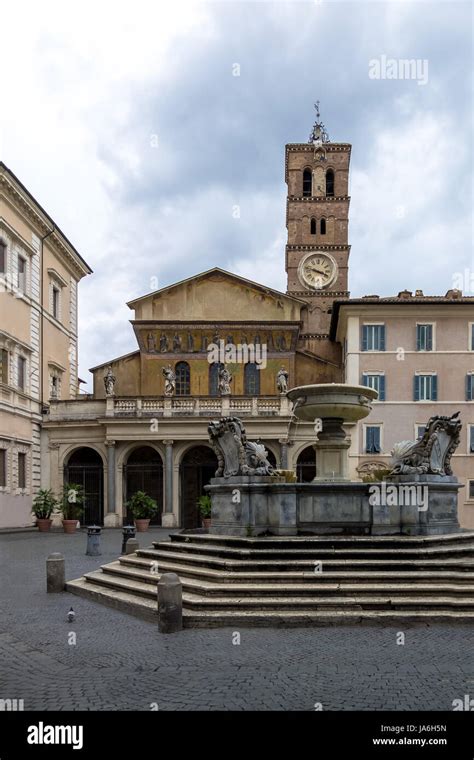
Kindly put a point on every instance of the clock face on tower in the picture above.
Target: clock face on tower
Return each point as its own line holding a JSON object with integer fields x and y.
{"x": 317, "y": 270}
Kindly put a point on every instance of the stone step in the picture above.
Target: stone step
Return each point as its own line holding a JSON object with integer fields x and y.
{"x": 307, "y": 589}
{"x": 464, "y": 575}
{"x": 282, "y": 542}
{"x": 147, "y": 610}
{"x": 290, "y": 563}
{"x": 193, "y": 600}
{"x": 317, "y": 551}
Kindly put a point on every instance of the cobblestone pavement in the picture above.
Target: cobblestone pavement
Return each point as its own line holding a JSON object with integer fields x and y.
{"x": 119, "y": 662}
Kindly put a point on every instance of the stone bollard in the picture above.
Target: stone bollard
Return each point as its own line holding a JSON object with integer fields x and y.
{"x": 55, "y": 573}
{"x": 93, "y": 541}
{"x": 170, "y": 603}
{"x": 128, "y": 531}
{"x": 132, "y": 546}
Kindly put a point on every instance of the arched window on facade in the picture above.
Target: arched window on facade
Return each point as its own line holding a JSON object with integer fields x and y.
{"x": 329, "y": 182}
{"x": 214, "y": 378}
{"x": 183, "y": 379}
{"x": 323, "y": 226}
{"x": 313, "y": 226}
{"x": 251, "y": 379}
{"x": 307, "y": 182}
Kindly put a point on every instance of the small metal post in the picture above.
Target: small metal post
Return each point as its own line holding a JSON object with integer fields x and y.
{"x": 93, "y": 541}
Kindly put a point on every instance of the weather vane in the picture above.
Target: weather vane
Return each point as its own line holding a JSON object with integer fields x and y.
{"x": 318, "y": 134}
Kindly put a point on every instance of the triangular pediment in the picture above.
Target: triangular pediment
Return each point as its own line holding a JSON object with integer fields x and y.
{"x": 217, "y": 295}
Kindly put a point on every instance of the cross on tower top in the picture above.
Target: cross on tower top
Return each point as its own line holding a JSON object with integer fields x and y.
{"x": 318, "y": 134}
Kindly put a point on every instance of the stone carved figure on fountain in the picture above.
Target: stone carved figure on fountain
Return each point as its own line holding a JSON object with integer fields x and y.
{"x": 170, "y": 380}
{"x": 432, "y": 454}
{"x": 109, "y": 382}
{"x": 236, "y": 455}
{"x": 282, "y": 380}
{"x": 225, "y": 379}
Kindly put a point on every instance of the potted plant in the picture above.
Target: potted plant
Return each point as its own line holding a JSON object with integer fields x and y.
{"x": 204, "y": 504}
{"x": 142, "y": 508}
{"x": 72, "y": 506}
{"x": 44, "y": 504}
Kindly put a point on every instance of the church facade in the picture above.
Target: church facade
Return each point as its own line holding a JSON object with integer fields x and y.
{"x": 217, "y": 344}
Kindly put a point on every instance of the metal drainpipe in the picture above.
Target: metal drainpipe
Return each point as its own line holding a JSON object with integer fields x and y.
{"x": 42, "y": 319}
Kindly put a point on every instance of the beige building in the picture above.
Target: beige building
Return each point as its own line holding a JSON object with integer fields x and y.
{"x": 39, "y": 274}
{"x": 418, "y": 352}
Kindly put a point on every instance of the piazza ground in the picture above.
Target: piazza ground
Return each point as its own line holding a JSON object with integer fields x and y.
{"x": 121, "y": 663}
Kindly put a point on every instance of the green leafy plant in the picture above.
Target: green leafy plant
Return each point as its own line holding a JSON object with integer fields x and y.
{"x": 141, "y": 506}
{"x": 72, "y": 501}
{"x": 204, "y": 504}
{"x": 44, "y": 504}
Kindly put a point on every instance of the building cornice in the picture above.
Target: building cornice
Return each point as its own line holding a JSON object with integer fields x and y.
{"x": 17, "y": 194}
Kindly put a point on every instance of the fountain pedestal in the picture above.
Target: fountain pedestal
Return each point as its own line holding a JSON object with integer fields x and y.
{"x": 331, "y": 451}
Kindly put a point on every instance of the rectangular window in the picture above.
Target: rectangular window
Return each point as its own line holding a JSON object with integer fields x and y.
{"x": 3, "y": 468}
{"x": 3, "y": 257}
{"x": 471, "y": 489}
{"x": 21, "y": 274}
{"x": 469, "y": 387}
{"x": 425, "y": 388}
{"x": 471, "y": 336}
{"x": 55, "y": 302}
{"x": 373, "y": 337}
{"x": 377, "y": 382}
{"x": 420, "y": 431}
{"x": 21, "y": 470}
{"x": 424, "y": 337}
{"x": 471, "y": 439}
{"x": 372, "y": 439}
{"x": 4, "y": 366}
{"x": 21, "y": 372}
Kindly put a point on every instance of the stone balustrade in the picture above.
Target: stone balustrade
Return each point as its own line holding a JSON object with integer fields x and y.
{"x": 162, "y": 406}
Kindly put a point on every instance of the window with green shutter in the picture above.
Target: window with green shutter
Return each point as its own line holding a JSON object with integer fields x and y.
{"x": 377, "y": 382}
{"x": 373, "y": 338}
{"x": 424, "y": 337}
{"x": 469, "y": 387}
{"x": 372, "y": 439}
{"x": 425, "y": 388}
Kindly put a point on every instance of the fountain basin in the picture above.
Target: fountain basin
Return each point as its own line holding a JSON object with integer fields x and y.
{"x": 349, "y": 403}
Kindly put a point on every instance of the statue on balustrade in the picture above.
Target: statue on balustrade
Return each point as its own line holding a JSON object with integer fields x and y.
{"x": 170, "y": 380}
{"x": 109, "y": 382}
{"x": 177, "y": 342}
{"x": 282, "y": 380}
{"x": 163, "y": 343}
{"x": 225, "y": 379}
{"x": 236, "y": 455}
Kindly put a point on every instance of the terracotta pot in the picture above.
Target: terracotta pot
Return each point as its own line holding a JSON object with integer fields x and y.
{"x": 69, "y": 526}
{"x": 206, "y": 522}
{"x": 43, "y": 524}
{"x": 142, "y": 525}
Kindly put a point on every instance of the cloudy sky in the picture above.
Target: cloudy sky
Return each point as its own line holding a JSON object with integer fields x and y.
{"x": 129, "y": 125}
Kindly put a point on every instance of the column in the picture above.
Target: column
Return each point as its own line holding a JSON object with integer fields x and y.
{"x": 283, "y": 453}
{"x": 111, "y": 519}
{"x": 168, "y": 519}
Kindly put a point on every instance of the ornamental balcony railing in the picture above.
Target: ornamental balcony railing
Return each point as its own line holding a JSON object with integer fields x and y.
{"x": 162, "y": 406}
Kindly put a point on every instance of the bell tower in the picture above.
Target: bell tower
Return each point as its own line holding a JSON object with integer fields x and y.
{"x": 317, "y": 218}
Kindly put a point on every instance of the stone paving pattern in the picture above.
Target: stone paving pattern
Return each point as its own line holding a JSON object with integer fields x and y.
{"x": 122, "y": 663}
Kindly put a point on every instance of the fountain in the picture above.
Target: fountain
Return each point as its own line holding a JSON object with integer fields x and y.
{"x": 249, "y": 498}
{"x": 331, "y": 405}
